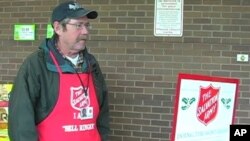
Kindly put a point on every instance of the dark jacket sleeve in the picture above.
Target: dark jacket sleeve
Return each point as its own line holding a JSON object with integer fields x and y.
{"x": 21, "y": 121}
{"x": 102, "y": 93}
{"x": 103, "y": 119}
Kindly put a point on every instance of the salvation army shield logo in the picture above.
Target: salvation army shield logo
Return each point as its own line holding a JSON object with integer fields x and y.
{"x": 79, "y": 99}
{"x": 207, "y": 108}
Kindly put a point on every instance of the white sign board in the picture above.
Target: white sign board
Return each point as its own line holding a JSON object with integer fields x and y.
{"x": 168, "y": 18}
{"x": 204, "y": 108}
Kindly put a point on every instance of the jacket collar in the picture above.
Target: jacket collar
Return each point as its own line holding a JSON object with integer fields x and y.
{"x": 49, "y": 45}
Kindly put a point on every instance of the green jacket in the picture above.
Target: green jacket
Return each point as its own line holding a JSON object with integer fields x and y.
{"x": 35, "y": 92}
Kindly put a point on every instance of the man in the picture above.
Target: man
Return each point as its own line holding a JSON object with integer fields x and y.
{"x": 58, "y": 82}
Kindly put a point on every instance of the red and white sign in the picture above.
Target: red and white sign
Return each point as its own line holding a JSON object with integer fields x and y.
{"x": 204, "y": 108}
{"x": 207, "y": 108}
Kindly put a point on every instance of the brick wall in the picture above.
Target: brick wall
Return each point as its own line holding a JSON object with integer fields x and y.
{"x": 141, "y": 70}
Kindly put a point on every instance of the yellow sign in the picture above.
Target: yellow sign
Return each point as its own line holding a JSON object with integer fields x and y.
{"x": 24, "y": 32}
{"x": 4, "y": 100}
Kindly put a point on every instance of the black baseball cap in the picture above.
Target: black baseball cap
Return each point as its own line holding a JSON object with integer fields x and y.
{"x": 71, "y": 9}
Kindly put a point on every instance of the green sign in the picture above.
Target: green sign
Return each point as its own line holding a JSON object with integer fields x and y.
{"x": 24, "y": 32}
{"x": 50, "y": 31}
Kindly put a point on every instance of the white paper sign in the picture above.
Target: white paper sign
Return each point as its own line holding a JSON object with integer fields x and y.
{"x": 168, "y": 19}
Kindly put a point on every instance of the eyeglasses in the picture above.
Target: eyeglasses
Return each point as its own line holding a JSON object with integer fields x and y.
{"x": 81, "y": 25}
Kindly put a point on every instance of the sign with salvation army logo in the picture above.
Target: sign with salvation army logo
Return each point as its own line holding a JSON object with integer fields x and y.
{"x": 204, "y": 108}
{"x": 208, "y": 104}
{"x": 79, "y": 99}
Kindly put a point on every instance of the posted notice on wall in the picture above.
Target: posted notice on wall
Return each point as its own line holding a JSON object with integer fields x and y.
{"x": 50, "y": 31}
{"x": 168, "y": 18}
{"x": 4, "y": 101}
{"x": 24, "y": 32}
{"x": 204, "y": 108}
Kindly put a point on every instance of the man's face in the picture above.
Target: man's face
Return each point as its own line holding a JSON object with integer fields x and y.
{"x": 74, "y": 37}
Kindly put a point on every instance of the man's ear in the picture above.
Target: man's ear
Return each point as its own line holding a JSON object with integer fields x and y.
{"x": 57, "y": 27}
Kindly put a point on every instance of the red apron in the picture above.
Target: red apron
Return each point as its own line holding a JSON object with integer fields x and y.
{"x": 75, "y": 113}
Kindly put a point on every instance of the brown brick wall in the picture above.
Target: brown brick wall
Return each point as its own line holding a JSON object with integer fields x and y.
{"x": 141, "y": 70}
